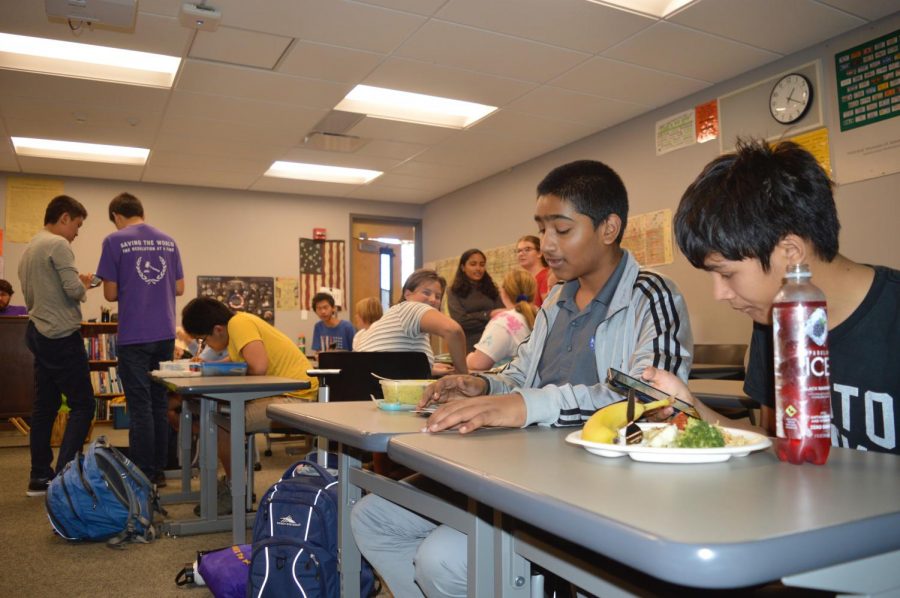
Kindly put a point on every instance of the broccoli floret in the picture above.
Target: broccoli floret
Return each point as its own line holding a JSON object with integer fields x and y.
{"x": 699, "y": 434}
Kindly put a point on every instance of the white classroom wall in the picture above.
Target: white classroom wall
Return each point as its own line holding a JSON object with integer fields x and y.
{"x": 868, "y": 209}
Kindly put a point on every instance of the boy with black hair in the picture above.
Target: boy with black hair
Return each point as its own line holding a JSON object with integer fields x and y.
{"x": 609, "y": 313}
{"x": 330, "y": 332}
{"x": 141, "y": 270}
{"x": 267, "y": 352}
{"x": 54, "y": 291}
{"x": 748, "y": 216}
{"x": 6, "y": 293}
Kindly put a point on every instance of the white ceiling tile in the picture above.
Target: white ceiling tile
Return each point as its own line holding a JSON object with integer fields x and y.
{"x": 867, "y": 9}
{"x": 519, "y": 125}
{"x": 206, "y": 178}
{"x": 67, "y": 129}
{"x": 77, "y": 168}
{"x": 563, "y": 104}
{"x": 159, "y": 7}
{"x": 331, "y": 63}
{"x": 486, "y": 52}
{"x": 403, "y": 181}
{"x": 419, "y": 7}
{"x": 349, "y": 24}
{"x": 215, "y": 146}
{"x": 676, "y": 49}
{"x": 575, "y": 24}
{"x": 380, "y": 128}
{"x": 245, "y": 82}
{"x": 447, "y": 82}
{"x": 471, "y": 148}
{"x": 242, "y": 110}
{"x": 431, "y": 170}
{"x": 627, "y": 83}
{"x": 8, "y": 162}
{"x": 266, "y": 183}
{"x": 800, "y": 23}
{"x": 239, "y": 46}
{"x": 81, "y": 92}
{"x": 169, "y": 160}
{"x": 215, "y": 131}
{"x": 393, "y": 150}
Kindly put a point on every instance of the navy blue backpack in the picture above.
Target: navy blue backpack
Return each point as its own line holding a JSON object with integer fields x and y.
{"x": 102, "y": 495}
{"x": 295, "y": 538}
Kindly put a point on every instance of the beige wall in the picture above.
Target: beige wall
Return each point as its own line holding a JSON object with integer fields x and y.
{"x": 868, "y": 209}
{"x": 219, "y": 232}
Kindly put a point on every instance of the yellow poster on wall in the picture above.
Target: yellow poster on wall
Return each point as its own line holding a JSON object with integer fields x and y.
{"x": 649, "y": 238}
{"x": 287, "y": 293}
{"x": 816, "y": 143}
{"x": 26, "y": 202}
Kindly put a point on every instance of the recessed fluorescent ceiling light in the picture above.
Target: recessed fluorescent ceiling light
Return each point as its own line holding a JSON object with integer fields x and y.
{"x": 325, "y": 174}
{"x": 68, "y": 59}
{"x": 656, "y": 8}
{"x": 72, "y": 150}
{"x": 413, "y": 107}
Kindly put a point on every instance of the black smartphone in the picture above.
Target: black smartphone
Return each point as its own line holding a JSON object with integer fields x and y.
{"x": 622, "y": 383}
{"x": 96, "y": 281}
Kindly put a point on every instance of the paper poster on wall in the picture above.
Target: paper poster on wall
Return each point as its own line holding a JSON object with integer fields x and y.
{"x": 286, "y": 293}
{"x": 252, "y": 294}
{"x": 26, "y": 202}
{"x": 867, "y": 81}
{"x": 707, "y": 117}
{"x": 816, "y": 143}
{"x": 675, "y": 132}
{"x": 649, "y": 238}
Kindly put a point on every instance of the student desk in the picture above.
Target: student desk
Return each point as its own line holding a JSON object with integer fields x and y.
{"x": 746, "y": 521}
{"x": 234, "y": 390}
{"x": 361, "y": 425}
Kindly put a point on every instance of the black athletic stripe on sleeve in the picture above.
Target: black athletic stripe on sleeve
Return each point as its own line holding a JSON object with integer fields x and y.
{"x": 656, "y": 289}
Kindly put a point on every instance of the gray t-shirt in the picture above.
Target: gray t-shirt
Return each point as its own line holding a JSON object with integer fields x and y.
{"x": 568, "y": 355}
{"x": 50, "y": 284}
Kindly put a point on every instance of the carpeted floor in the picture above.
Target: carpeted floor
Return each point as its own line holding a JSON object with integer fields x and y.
{"x": 37, "y": 563}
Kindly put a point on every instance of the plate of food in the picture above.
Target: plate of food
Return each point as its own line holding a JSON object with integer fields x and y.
{"x": 697, "y": 442}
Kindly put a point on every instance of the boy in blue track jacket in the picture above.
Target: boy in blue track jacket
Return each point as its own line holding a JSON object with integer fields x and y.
{"x": 609, "y": 313}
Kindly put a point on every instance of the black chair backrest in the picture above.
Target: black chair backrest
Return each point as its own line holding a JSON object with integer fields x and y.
{"x": 356, "y": 383}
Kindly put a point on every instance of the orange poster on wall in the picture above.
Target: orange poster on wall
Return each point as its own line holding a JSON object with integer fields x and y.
{"x": 707, "y": 121}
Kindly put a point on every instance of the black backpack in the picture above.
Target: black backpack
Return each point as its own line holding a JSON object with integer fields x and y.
{"x": 295, "y": 538}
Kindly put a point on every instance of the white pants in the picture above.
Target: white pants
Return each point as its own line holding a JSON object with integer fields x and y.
{"x": 413, "y": 555}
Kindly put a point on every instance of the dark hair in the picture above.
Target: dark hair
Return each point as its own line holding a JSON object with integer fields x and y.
{"x": 593, "y": 188}
{"x": 63, "y": 204}
{"x": 126, "y": 205}
{"x": 462, "y": 285}
{"x": 745, "y": 202}
{"x": 319, "y": 297}
{"x": 420, "y": 277}
{"x": 537, "y": 245}
{"x": 6, "y": 287}
{"x": 201, "y": 315}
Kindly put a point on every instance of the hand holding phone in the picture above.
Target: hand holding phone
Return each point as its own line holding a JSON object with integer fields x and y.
{"x": 622, "y": 383}
{"x": 96, "y": 281}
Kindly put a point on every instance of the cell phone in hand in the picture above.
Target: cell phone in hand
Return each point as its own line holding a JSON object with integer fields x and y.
{"x": 96, "y": 281}
{"x": 622, "y": 383}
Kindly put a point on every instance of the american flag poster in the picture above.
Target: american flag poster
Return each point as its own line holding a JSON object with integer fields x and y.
{"x": 321, "y": 265}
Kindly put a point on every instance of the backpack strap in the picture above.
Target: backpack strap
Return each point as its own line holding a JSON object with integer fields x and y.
{"x": 135, "y": 513}
{"x": 294, "y": 471}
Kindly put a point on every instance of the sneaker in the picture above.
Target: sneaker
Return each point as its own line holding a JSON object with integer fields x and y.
{"x": 37, "y": 487}
{"x": 223, "y": 499}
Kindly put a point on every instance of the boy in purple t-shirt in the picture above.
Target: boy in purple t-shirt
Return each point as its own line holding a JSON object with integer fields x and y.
{"x": 141, "y": 269}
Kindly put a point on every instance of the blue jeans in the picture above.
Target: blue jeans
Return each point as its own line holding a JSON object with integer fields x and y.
{"x": 60, "y": 367}
{"x": 148, "y": 430}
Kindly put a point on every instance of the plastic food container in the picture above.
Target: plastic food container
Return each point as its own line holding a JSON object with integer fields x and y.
{"x": 224, "y": 368}
{"x": 407, "y": 392}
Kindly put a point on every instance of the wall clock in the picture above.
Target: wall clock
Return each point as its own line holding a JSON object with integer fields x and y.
{"x": 791, "y": 98}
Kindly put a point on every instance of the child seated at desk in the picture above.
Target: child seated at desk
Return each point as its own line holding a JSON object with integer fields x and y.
{"x": 267, "y": 352}
{"x": 508, "y": 329}
{"x": 330, "y": 333}
{"x": 609, "y": 314}
{"x": 748, "y": 216}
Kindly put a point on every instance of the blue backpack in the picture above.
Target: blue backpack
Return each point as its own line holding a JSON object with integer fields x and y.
{"x": 295, "y": 538}
{"x": 102, "y": 495}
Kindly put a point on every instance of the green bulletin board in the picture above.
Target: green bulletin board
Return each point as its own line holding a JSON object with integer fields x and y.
{"x": 868, "y": 81}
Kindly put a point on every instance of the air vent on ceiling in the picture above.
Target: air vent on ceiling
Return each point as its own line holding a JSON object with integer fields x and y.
{"x": 110, "y": 13}
{"x": 333, "y": 142}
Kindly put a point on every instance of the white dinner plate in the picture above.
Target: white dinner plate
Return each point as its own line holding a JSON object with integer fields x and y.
{"x": 756, "y": 442}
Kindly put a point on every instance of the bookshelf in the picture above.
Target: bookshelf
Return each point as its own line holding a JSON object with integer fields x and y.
{"x": 100, "y": 343}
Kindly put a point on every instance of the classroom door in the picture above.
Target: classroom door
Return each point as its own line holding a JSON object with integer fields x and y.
{"x": 379, "y": 247}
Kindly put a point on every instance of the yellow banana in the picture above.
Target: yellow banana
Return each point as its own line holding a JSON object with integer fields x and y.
{"x": 604, "y": 425}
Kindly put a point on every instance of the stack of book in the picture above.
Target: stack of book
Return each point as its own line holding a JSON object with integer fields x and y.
{"x": 102, "y": 347}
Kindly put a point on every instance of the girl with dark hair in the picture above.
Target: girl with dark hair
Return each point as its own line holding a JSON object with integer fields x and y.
{"x": 529, "y": 256}
{"x": 473, "y": 298}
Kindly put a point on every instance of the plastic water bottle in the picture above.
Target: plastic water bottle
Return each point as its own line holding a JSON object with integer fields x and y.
{"x": 301, "y": 343}
{"x": 802, "y": 385}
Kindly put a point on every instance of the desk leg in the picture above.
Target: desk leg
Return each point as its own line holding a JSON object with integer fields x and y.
{"x": 513, "y": 573}
{"x": 184, "y": 449}
{"x": 348, "y": 552}
{"x": 480, "y": 556}
{"x": 238, "y": 473}
{"x": 873, "y": 576}
{"x": 209, "y": 460}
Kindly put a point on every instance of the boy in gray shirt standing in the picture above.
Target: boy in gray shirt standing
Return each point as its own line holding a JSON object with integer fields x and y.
{"x": 53, "y": 292}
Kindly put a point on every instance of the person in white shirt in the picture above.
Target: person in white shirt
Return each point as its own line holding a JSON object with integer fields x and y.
{"x": 506, "y": 330}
